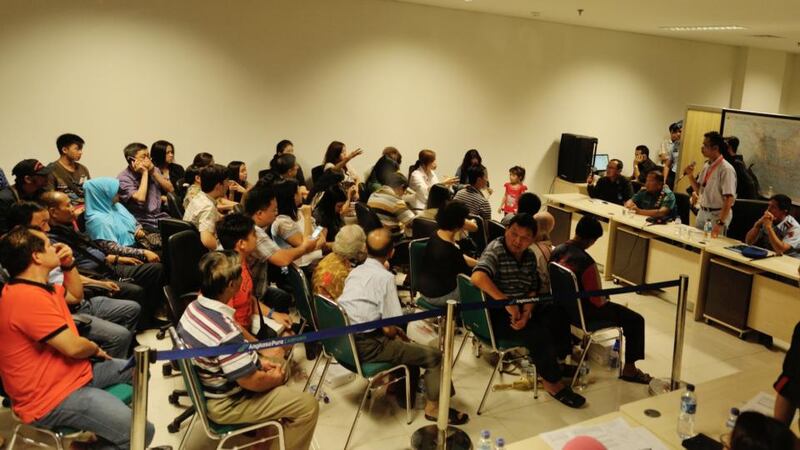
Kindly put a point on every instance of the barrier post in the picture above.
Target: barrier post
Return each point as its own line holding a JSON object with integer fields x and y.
{"x": 141, "y": 377}
{"x": 443, "y": 436}
{"x": 661, "y": 386}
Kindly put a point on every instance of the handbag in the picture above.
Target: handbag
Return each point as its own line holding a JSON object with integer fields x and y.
{"x": 259, "y": 327}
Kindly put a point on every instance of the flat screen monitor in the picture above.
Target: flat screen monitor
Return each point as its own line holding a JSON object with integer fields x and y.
{"x": 600, "y": 162}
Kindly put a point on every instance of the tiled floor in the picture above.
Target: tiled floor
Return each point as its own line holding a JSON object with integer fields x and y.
{"x": 709, "y": 353}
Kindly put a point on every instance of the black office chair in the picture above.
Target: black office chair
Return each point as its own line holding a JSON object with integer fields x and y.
{"x": 494, "y": 230}
{"x": 479, "y": 237}
{"x": 683, "y": 206}
{"x": 745, "y": 215}
{"x": 168, "y": 227}
{"x": 422, "y": 228}
{"x": 367, "y": 218}
{"x": 174, "y": 206}
{"x": 187, "y": 249}
{"x": 316, "y": 173}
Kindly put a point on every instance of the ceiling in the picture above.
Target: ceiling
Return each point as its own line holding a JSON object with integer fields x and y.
{"x": 779, "y": 18}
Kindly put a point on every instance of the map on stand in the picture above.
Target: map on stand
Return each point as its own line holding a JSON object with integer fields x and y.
{"x": 771, "y": 144}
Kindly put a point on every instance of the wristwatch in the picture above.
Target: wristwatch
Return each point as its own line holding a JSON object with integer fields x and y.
{"x": 69, "y": 267}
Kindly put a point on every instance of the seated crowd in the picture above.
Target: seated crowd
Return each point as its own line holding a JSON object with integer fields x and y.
{"x": 82, "y": 272}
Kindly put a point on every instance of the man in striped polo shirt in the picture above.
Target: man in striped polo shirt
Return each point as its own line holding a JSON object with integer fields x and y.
{"x": 471, "y": 195}
{"x": 388, "y": 203}
{"x": 241, "y": 388}
{"x": 507, "y": 270}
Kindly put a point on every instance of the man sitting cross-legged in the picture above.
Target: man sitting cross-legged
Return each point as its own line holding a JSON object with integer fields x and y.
{"x": 370, "y": 294}
{"x": 54, "y": 377}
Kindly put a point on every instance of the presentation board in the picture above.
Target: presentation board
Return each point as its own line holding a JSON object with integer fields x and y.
{"x": 770, "y": 143}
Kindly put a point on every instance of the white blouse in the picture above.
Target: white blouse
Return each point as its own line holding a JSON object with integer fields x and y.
{"x": 421, "y": 183}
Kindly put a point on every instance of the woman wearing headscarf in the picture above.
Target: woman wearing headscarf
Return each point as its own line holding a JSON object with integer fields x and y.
{"x": 108, "y": 220}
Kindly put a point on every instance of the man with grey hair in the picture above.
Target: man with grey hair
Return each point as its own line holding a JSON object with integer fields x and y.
{"x": 141, "y": 187}
{"x": 242, "y": 388}
{"x": 349, "y": 250}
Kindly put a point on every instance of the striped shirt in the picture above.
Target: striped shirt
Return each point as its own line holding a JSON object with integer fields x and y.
{"x": 209, "y": 323}
{"x": 475, "y": 201}
{"x": 514, "y": 278}
{"x": 391, "y": 209}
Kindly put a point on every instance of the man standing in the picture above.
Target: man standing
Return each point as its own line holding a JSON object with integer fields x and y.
{"x": 68, "y": 174}
{"x": 41, "y": 342}
{"x": 642, "y": 164}
{"x": 141, "y": 187}
{"x": 370, "y": 294}
{"x": 745, "y": 184}
{"x": 776, "y": 229}
{"x": 655, "y": 199}
{"x": 614, "y": 187}
{"x": 507, "y": 270}
{"x": 472, "y": 195}
{"x": 716, "y": 185}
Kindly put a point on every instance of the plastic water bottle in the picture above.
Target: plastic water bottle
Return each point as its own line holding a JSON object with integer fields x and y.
{"x": 613, "y": 356}
{"x": 486, "y": 441}
{"x": 678, "y": 226}
{"x": 731, "y": 422}
{"x": 770, "y": 192}
{"x": 707, "y": 229}
{"x": 527, "y": 371}
{"x": 500, "y": 444}
{"x": 583, "y": 377}
{"x": 688, "y": 410}
{"x": 419, "y": 400}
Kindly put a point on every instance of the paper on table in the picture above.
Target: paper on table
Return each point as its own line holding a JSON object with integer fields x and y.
{"x": 762, "y": 402}
{"x": 614, "y": 435}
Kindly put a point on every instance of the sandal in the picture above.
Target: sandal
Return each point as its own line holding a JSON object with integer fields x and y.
{"x": 569, "y": 397}
{"x": 454, "y": 417}
{"x": 637, "y": 377}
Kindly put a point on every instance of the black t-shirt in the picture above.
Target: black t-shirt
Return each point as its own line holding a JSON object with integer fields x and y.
{"x": 617, "y": 191}
{"x": 441, "y": 263}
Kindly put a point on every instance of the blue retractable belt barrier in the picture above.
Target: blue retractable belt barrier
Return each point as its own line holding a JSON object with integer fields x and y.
{"x": 206, "y": 352}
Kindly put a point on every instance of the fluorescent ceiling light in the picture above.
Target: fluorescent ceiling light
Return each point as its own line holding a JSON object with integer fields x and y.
{"x": 704, "y": 28}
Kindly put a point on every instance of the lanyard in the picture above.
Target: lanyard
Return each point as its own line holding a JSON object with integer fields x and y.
{"x": 711, "y": 170}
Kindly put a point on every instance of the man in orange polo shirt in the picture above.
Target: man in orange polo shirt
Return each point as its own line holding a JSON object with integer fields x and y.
{"x": 53, "y": 376}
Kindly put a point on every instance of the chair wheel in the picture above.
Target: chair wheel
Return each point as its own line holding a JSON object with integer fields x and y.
{"x": 174, "y": 399}
{"x": 161, "y": 335}
{"x": 166, "y": 369}
{"x": 173, "y": 428}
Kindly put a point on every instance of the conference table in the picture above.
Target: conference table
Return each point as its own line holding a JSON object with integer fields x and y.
{"x": 715, "y": 398}
{"x": 659, "y": 252}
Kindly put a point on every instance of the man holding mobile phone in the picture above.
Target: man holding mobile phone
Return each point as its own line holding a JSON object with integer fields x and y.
{"x": 141, "y": 187}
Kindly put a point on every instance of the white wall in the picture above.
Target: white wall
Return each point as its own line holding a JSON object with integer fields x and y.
{"x": 234, "y": 78}
{"x": 763, "y": 80}
{"x": 790, "y": 104}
